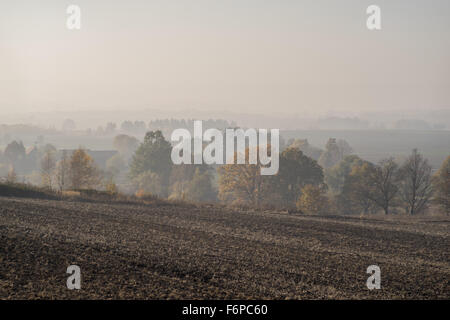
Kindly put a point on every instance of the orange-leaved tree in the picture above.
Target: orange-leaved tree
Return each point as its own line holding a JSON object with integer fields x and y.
{"x": 244, "y": 184}
{"x": 83, "y": 172}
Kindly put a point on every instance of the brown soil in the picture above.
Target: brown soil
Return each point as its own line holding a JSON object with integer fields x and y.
{"x": 128, "y": 251}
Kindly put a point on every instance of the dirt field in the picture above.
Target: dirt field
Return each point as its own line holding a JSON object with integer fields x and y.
{"x": 170, "y": 252}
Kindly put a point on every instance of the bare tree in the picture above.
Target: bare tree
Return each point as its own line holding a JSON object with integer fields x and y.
{"x": 61, "y": 171}
{"x": 48, "y": 164}
{"x": 415, "y": 188}
{"x": 383, "y": 179}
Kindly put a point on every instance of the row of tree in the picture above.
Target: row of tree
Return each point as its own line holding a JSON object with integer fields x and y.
{"x": 351, "y": 186}
{"x": 75, "y": 171}
{"x": 365, "y": 187}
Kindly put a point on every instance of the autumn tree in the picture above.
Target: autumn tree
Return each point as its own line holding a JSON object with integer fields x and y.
{"x": 441, "y": 186}
{"x": 83, "y": 172}
{"x": 415, "y": 186}
{"x": 244, "y": 184}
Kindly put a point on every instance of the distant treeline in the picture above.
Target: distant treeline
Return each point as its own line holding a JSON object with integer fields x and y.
{"x": 310, "y": 180}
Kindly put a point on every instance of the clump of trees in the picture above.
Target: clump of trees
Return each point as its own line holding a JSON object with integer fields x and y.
{"x": 243, "y": 184}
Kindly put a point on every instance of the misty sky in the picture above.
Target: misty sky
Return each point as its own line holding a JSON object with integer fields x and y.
{"x": 266, "y": 56}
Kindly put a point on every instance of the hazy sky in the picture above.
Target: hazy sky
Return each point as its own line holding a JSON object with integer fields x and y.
{"x": 262, "y": 56}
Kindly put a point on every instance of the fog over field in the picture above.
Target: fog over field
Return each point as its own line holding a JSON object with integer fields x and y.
{"x": 227, "y": 149}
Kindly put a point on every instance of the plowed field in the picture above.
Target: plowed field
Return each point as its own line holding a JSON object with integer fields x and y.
{"x": 133, "y": 251}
